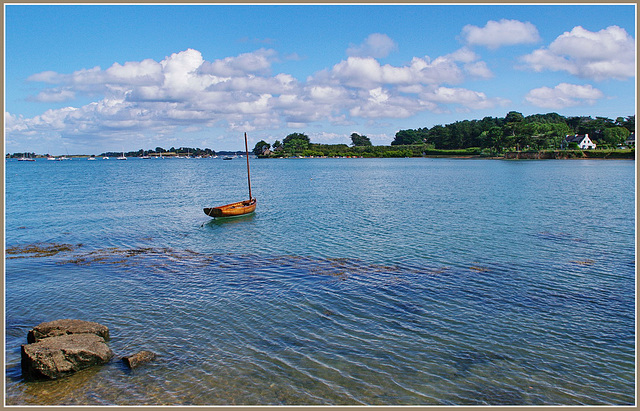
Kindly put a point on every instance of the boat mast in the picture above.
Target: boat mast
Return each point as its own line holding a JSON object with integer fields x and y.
{"x": 246, "y": 148}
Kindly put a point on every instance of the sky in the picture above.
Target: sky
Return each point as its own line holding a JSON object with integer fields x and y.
{"x": 86, "y": 79}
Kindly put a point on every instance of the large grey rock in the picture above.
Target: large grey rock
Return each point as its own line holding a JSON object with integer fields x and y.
{"x": 55, "y": 357}
{"x": 64, "y": 327}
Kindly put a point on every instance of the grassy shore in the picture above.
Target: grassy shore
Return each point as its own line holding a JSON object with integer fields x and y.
{"x": 572, "y": 154}
{"x": 332, "y": 151}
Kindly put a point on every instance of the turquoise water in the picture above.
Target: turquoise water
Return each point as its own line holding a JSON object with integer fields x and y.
{"x": 357, "y": 281}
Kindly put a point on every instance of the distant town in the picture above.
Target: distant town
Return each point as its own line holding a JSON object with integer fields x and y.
{"x": 182, "y": 152}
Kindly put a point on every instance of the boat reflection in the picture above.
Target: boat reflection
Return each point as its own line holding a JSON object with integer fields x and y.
{"x": 224, "y": 221}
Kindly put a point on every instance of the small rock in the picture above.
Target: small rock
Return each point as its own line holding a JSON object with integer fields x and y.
{"x": 140, "y": 358}
{"x": 55, "y": 357}
{"x": 64, "y": 327}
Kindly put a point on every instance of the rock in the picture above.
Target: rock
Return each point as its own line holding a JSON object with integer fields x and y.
{"x": 55, "y": 357}
{"x": 140, "y": 358}
{"x": 64, "y": 327}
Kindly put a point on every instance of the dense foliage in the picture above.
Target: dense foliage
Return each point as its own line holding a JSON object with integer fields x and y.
{"x": 489, "y": 136}
{"x": 260, "y": 147}
{"x": 539, "y": 131}
{"x": 296, "y": 142}
{"x": 358, "y": 140}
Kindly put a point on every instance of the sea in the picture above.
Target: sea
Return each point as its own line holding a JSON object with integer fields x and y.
{"x": 406, "y": 281}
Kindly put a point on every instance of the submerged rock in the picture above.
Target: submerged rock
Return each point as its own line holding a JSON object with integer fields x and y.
{"x": 55, "y": 357}
{"x": 137, "y": 359}
{"x": 64, "y": 327}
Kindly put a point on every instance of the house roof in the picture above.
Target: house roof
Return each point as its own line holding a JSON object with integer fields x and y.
{"x": 575, "y": 139}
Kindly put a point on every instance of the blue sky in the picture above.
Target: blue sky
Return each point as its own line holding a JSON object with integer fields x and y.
{"x": 95, "y": 78}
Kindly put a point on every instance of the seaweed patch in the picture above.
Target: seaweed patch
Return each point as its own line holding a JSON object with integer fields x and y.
{"x": 115, "y": 255}
{"x": 39, "y": 250}
{"x": 584, "y": 262}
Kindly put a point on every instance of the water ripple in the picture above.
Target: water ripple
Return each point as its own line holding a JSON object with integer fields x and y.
{"x": 349, "y": 286}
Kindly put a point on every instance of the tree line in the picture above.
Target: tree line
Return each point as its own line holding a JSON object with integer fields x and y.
{"x": 515, "y": 131}
{"x": 159, "y": 150}
{"x": 296, "y": 144}
{"x": 491, "y": 135}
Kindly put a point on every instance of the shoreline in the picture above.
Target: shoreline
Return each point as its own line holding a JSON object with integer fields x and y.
{"x": 510, "y": 155}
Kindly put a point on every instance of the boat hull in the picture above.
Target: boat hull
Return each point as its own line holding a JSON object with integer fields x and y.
{"x": 233, "y": 209}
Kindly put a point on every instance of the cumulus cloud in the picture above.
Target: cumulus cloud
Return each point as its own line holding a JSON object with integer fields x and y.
{"x": 608, "y": 53}
{"x": 496, "y": 34}
{"x": 478, "y": 69}
{"x": 54, "y": 96}
{"x": 464, "y": 98}
{"x": 257, "y": 62}
{"x": 564, "y": 95}
{"x": 368, "y": 73}
{"x": 376, "y": 45}
{"x": 185, "y": 91}
{"x": 379, "y": 103}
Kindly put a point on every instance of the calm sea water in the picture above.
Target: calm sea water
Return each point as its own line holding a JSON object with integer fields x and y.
{"x": 357, "y": 281}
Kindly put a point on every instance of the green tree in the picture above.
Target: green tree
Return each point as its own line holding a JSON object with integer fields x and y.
{"x": 260, "y": 147}
{"x": 514, "y": 117}
{"x": 358, "y": 140}
{"x": 552, "y": 135}
{"x": 629, "y": 123}
{"x": 495, "y": 138}
{"x": 614, "y": 136}
{"x": 296, "y": 142}
{"x": 406, "y": 137}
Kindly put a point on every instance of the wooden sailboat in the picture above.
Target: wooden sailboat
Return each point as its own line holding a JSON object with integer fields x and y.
{"x": 241, "y": 207}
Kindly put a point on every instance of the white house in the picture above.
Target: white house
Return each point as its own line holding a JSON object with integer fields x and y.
{"x": 631, "y": 140}
{"x": 583, "y": 141}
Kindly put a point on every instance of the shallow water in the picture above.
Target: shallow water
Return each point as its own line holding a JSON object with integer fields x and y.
{"x": 357, "y": 281}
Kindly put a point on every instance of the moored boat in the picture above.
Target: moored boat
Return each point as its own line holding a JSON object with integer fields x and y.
{"x": 233, "y": 209}
{"x": 241, "y": 207}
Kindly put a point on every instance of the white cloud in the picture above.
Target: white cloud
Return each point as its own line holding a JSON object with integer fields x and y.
{"x": 54, "y": 96}
{"x": 257, "y": 62}
{"x": 186, "y": 92}
{"x": 496, "y": 34}
{"x": 46, "y": 77}
{"x": 376, "y": 45}
{"x": 139, "y": 73}
{"x": 564, "y": 95}
{"x": 368, "y": 73}
{"x": 478, "y": 69}
{"x": 467, "y": 99}
{"x": 464, "y": 55}
{"x": 608, "y": 53}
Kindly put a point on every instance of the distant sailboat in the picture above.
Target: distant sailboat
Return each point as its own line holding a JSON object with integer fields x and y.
{"x": 26, "y": 158}
{"x": 121, "y": 158}
{"x": 63, "y": 158}
{"x": 241, "y": 207}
